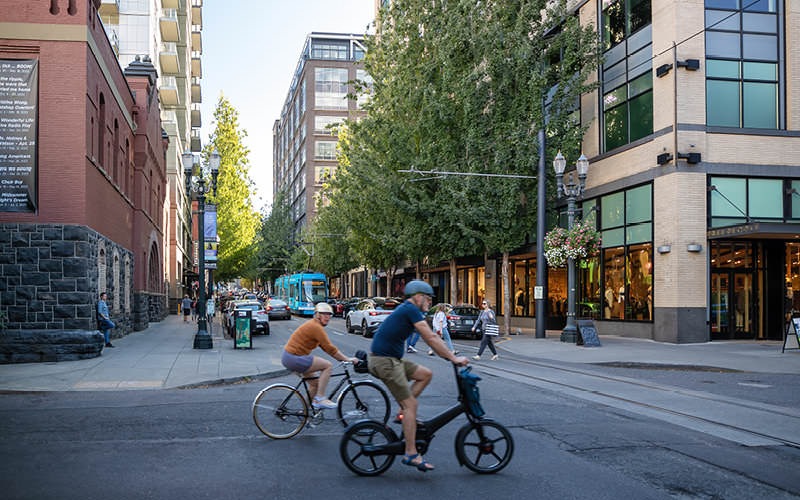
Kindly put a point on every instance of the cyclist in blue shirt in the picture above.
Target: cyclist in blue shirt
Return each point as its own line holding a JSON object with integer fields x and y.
{"x": 387, "y": 364}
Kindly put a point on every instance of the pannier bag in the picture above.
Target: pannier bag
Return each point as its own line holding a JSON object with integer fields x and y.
{"x": 469, "y": 389}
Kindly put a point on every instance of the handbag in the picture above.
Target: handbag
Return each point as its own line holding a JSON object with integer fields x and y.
{"x": 492, "y": 330}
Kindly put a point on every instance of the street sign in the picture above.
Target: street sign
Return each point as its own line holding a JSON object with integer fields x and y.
{"x": 538, "y": 292}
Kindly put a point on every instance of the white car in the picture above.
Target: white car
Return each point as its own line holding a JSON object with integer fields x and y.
{"x": 369, "y": 314}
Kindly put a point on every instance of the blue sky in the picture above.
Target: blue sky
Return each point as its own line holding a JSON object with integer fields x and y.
{"x": 250, "y": 52}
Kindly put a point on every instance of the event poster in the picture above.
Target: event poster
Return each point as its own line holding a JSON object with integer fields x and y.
{"x": 18, "y": 122}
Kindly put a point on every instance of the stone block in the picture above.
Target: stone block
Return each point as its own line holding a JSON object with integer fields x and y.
{"x": 19, "y": 240}
{"x": 27, "y": 255}
{"x": 62, "y": 249}
{"x": 63, "y": 312}
{"x": 76, "y": 233}
{"x": 75, "y": 267}
{"x": 25, "y": 346}
{"x": 50, "y": 266}
{"x": 63, "y": 285}
{"x": 53, "y": 233}
{"x": 35, "y": 279}
{"x": 25, "y": 294}
{"x": 74, "y": 298}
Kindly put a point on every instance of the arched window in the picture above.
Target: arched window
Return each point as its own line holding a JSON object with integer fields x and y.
{"x": 127, "y": 285}
{"x": 115, "y": 154}
{"x": 101, "y": 128}
{"x": 115, "y": 276}
{"x": 101, "y": 268}
{"x": 153, "y": 270}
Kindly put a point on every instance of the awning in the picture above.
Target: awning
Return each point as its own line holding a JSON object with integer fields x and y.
{"x": 756, "y": 231}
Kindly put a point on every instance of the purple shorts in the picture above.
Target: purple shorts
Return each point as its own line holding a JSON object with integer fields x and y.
{"x": 295, "y": 363}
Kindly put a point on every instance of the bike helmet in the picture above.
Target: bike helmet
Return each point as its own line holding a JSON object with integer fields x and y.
{"x": 323, "y": 307}
{"x": 417, "y": 286}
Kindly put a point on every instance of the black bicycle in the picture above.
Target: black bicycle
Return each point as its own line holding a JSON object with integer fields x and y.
{"x": 368, "y": 448}
{"x": 281, "y": 411}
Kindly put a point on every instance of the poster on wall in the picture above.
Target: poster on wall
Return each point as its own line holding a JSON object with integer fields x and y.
{"x": 19, "y": 96}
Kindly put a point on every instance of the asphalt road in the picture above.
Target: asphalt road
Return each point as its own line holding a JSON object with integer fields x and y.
{"x": 201, "y": 443}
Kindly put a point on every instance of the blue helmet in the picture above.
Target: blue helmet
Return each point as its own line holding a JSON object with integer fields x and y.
{"x": 417, "y": 286}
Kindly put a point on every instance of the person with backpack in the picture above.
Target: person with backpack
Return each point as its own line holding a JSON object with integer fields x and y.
{"x": 486, "y": 319}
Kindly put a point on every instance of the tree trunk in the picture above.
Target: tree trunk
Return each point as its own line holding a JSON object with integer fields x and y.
{"x": 506, "y": 296}
{"x": 453, "y": 282}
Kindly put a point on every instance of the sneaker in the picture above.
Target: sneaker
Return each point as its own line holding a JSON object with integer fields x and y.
{"x": 476, "y": 357}
{"x": 455, "y": 353}
{"x": 411, "y": 349}
{"x": 495, "y": 357}
{"x": 323, "y": 404}
{"x": 109, "y": 344}
{"x": 430, "y": 352}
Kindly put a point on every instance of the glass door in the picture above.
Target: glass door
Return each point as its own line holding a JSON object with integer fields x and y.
{"x": 732, "y": 305}
{"x": 719, "y": 305}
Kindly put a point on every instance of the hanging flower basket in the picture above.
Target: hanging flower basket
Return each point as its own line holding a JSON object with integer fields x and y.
{"x": 581, "y": 242}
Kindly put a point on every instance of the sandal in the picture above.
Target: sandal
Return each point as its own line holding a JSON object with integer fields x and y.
{"x": 422, "y": 465}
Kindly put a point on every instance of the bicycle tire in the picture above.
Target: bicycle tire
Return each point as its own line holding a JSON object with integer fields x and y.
{"x": 280, "y": 411}
{"x": 366, "y": 433}
{"x": 363, "y": 400}
{"x": 484, "y": 446}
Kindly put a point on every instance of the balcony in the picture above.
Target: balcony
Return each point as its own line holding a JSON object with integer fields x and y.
{"x": 168, "y": 91}
{"x": 197, "y": 12}
{"x": 170, "y": 4}
{"x": 197, "y": 68}
{"x": 197, "y": 38}
{"x": 168, "y": 57}
{"x": 109, "y": 9}
{"x": 168, "y": 22}
{"x": 197, "y": 95}
{"x": 197, "y": 121}
{"x": 195, "y": 145}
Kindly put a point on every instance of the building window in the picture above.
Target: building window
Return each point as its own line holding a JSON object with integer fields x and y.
{"x": 627, "y": 72}
{"x": 329, "y": 50}
{"x": 327, "y": 124}
{"x": 366, "y": 90}
{"x": 330, "y": 88}
{"x": 626, "y": 258}
{"x": 325, "y": 150}
{"x": 743, "y": 71}
{"x": 738, "y": 200}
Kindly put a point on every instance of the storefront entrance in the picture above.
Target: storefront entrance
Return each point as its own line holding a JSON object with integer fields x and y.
{"x": 733, "y": 311}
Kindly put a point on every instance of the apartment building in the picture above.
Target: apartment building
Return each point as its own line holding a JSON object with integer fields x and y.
{"x": 304, "y": 137}
{"x": 169, "y": 32}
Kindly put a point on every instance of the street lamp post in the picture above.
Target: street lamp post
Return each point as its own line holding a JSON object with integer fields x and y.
{"x": 197, "y": 185}
{"x": 572, "y": 192}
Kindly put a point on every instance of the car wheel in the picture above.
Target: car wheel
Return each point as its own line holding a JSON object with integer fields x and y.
{"x": 348, "y": 325}
{"x": 364, "y": 329}
{"x": 266, "y": 330}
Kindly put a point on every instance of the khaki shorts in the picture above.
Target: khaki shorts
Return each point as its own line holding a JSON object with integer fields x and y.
{"x": 393, "y": 372}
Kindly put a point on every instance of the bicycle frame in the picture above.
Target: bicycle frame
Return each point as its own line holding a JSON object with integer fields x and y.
{"x": 426, "y": 429}
{"x": 346, "y": 380}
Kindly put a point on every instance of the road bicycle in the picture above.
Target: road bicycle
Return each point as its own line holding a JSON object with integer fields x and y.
{"x": 281, "y": 411}
{"x": 484, "y": 446}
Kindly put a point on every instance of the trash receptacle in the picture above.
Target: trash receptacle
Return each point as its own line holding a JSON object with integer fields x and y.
{"x": 243, "y": 337}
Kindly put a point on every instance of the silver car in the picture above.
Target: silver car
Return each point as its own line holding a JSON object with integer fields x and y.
{"x": 259, "y": 316}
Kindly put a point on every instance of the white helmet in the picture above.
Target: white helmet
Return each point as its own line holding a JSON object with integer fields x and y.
{"x": 323, "y": 307}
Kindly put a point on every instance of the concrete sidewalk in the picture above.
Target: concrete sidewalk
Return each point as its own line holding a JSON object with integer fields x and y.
{"x": 162, "y": 356}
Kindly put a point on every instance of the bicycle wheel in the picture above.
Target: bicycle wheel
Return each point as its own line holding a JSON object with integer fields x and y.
{"x": 279, "y": 411}
{"x": 484, "y": 446}
{"x": 361, "y": 448}
{"x": 363, "y": 400}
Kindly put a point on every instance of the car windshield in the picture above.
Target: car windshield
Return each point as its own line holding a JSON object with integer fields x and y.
{"x": 252, "y": 307}
{"x": 465, "y": 311}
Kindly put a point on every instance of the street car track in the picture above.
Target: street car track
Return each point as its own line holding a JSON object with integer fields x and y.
{"x": 693, "y": 409}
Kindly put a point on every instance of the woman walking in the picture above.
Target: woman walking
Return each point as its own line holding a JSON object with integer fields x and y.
{"x": 486, "y": 319}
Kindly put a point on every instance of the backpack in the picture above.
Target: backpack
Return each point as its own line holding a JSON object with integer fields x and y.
{"x": 468, "y": 383}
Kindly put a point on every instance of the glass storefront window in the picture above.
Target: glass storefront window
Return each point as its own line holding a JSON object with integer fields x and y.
{"x": 614, "y": 286}
{"x": 765, "y": 198}
{"x": 640, "y": 282}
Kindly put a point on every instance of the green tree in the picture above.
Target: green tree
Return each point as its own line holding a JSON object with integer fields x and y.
{"x": 275, "y": 241}
{"x": 237, "y": 221}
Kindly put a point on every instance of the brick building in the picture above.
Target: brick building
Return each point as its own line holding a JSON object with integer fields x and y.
{"x": 86, "y": 215}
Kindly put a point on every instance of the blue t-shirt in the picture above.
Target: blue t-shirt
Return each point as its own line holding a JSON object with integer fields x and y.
{"x": 390, "y": 338}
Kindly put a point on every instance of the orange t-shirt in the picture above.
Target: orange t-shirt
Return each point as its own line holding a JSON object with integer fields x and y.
{"x": 308, "y": 337}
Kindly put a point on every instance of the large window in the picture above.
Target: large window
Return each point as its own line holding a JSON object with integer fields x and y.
{"x": 326, "y": 124}
{"x": 329, "y": 50}
{"x": 743, "y": 64}
{"x": 738, "y": 200}
{"x": 325, "y": 150}
{"x": 330, "y": 88}
{"x": 627, "y": 72}
{"x": 627, "y": 257}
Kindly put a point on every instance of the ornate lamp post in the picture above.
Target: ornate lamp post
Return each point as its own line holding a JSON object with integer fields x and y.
{"x": 197, "y": 185}
{"x": 572, "y": 192}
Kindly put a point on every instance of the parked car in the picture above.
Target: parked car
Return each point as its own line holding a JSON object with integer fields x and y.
{"x": 369, "y": 314}
{"x": 337, "y": 306}
{"x": 259, "y": 315}
{"x": 460, "y": 320}
{"x": 278, "y": 309}
{"x": 349, "y": 304}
